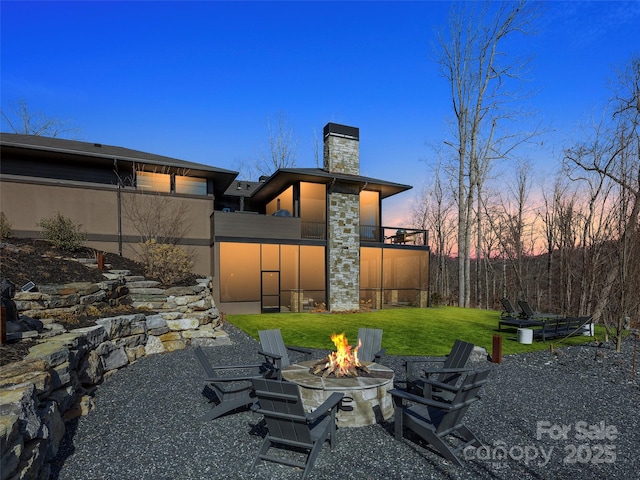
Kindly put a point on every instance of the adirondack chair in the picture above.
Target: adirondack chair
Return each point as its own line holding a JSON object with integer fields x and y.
{"x": 276, "y": 352}
{"x": 370, "y": 340}
{"x": 434, "y": 421}
{"x": 449, "y": 372}
{"x": 290, "y": 427}
{"x": 232, "y": 390}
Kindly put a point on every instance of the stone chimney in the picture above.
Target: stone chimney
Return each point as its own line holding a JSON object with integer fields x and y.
{"x": 341, "y": 149}
{"x": 341, "y": 155}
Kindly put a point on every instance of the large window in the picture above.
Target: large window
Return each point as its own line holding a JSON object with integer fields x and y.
{"x": 300, "y": 267}
{"x": 153, "y": 182}
{"x": 161, "y": 182}
{"x": 284, "y": 201}
{"x": 313, "y": 209}
{"x": 393, "y": 275}
{"x": 239, "y": 272}
{"x": 191, "y": 185}
{"x": 369, "y": 216}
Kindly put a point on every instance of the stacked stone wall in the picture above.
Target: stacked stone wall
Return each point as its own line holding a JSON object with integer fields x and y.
{"x": 344, "y": 252}
{"x": 56, "y": 381}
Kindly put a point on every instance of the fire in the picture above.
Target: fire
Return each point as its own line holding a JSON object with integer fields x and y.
{"x": 343, "y": 362}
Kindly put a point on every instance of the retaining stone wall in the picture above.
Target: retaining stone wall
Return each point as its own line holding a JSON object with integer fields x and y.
{"x": 56, "y": 381}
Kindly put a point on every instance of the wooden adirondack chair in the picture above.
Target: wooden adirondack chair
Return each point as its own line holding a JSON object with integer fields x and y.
{"x": 449, "y": 372}
{"x": 290, "y": 427}
{"x": 371, "y": 345}
{"x": 232, "y": 390}
{"x": 275, "y": 351}
{"x": 434, "y": 421}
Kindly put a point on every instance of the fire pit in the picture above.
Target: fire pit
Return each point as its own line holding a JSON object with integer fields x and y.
{"x": 365, "y": 385}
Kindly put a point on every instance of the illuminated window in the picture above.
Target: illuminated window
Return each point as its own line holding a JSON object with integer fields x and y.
{"x": 369, "y": 215}
{"x": 284, "y": 201}
{"x": 239, "y": 272}
{"x": 153, "y": 182}
{"x": 191, "y": 185}
{"x": 313, "y": 209}
{"x": 370, "y": 268}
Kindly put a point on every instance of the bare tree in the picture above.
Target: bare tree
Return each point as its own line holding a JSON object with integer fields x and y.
{"x": 614, "y": 154}
{"x": 481, "y": 78}
{"x": 282, "y": 147}
{"x": 20, "y": 119}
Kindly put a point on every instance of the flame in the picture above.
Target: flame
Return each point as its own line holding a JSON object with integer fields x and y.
{"x": 344, "y": 360}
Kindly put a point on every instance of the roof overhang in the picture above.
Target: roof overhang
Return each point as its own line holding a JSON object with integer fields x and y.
{"x": 106, "y": 155}
{"x": 284, "y": 177}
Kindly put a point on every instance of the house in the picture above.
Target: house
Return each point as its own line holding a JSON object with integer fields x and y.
{"x": 301, "y": 239}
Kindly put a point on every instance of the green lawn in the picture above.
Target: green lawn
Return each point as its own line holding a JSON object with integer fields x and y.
{"x": 407, "y": 331}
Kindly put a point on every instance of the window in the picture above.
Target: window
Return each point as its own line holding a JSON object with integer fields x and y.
{"x": 153, "y": 182}
{"x": 239, "y": 272}
{"x": 369, "y": 215}
{"x": 191, "y": 185}
{"x": 313, "y": 209}
{"x": 284, "y": 201}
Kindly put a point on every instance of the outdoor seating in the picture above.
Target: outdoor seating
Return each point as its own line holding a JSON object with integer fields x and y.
{"x": 510, "y": 318}
{"x": 434, "y": 421}
{"x": 232, "y": 391}
{"x": 370, "y": 341}
{"x": 451, "y": 368}
{"x": 289, "y": 427}
{"x": 508, "y": 310}
{"x": 276, "y": 352}
{"x": 562, "y": 327}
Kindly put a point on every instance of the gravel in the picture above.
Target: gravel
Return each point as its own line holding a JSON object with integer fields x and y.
{"x": 568, "y": 414}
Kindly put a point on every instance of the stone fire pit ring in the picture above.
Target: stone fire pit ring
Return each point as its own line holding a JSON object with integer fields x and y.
{"x": 366, "y": 402}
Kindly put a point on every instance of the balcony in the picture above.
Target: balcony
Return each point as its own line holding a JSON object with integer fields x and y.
{"x": 394, "y": 235}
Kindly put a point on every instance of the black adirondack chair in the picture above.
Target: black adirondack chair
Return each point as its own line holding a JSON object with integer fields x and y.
{"x": 370, "y": 340}
{"x": 276, "y": 352}
{"x": 230, "y": 384}
{"x": 290, "y": 427}
{"x": 434, "y": 421}
{"x": 451, "y": 368}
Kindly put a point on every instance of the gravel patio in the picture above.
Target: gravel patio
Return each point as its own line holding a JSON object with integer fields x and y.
{"x": 572, "y": 414}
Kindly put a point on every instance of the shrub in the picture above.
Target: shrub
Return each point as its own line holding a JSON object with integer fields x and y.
{"x": 5, "y": 227}
{"x": 62, "y": 232}
{"x": 166, "y": 262}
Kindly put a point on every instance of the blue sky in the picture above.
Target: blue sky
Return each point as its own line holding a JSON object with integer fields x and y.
{"x": 197, "y": 80}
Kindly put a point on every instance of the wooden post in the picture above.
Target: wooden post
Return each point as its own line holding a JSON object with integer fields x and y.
{"x": 101, "y": 261}
{"x": 496, "y": 354}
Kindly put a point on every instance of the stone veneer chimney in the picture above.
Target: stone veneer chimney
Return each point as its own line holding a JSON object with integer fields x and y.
{"x": 342, "y": 156}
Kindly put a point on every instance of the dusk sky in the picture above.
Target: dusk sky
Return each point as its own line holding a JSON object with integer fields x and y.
{"x": 198, "y": 80}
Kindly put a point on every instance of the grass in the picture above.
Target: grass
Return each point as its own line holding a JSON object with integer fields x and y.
{"x": 407, "y": 331}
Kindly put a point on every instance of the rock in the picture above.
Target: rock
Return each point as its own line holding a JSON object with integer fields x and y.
{"x": 135, "y": 353}
{"x": 52, "y": 352}
{"x": 174, "y": 345}
{"x": 32, "y": 371}
{"x": 22, "y": 401}
{"x": 9, "y": 431}
{"x": 93, "y": 335}
{"x": 64, "y": 398}
{"x": 91, "y": 369}
{"x": 183, "y": 324}
{"x": 154, "y": 345}
{"x": 32, "y": 458}
{"x": 60, "y": 375}
{"x": 120, "y": 326}
{"x": 52, "y": 420}
{"x": 116, "y": 359}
